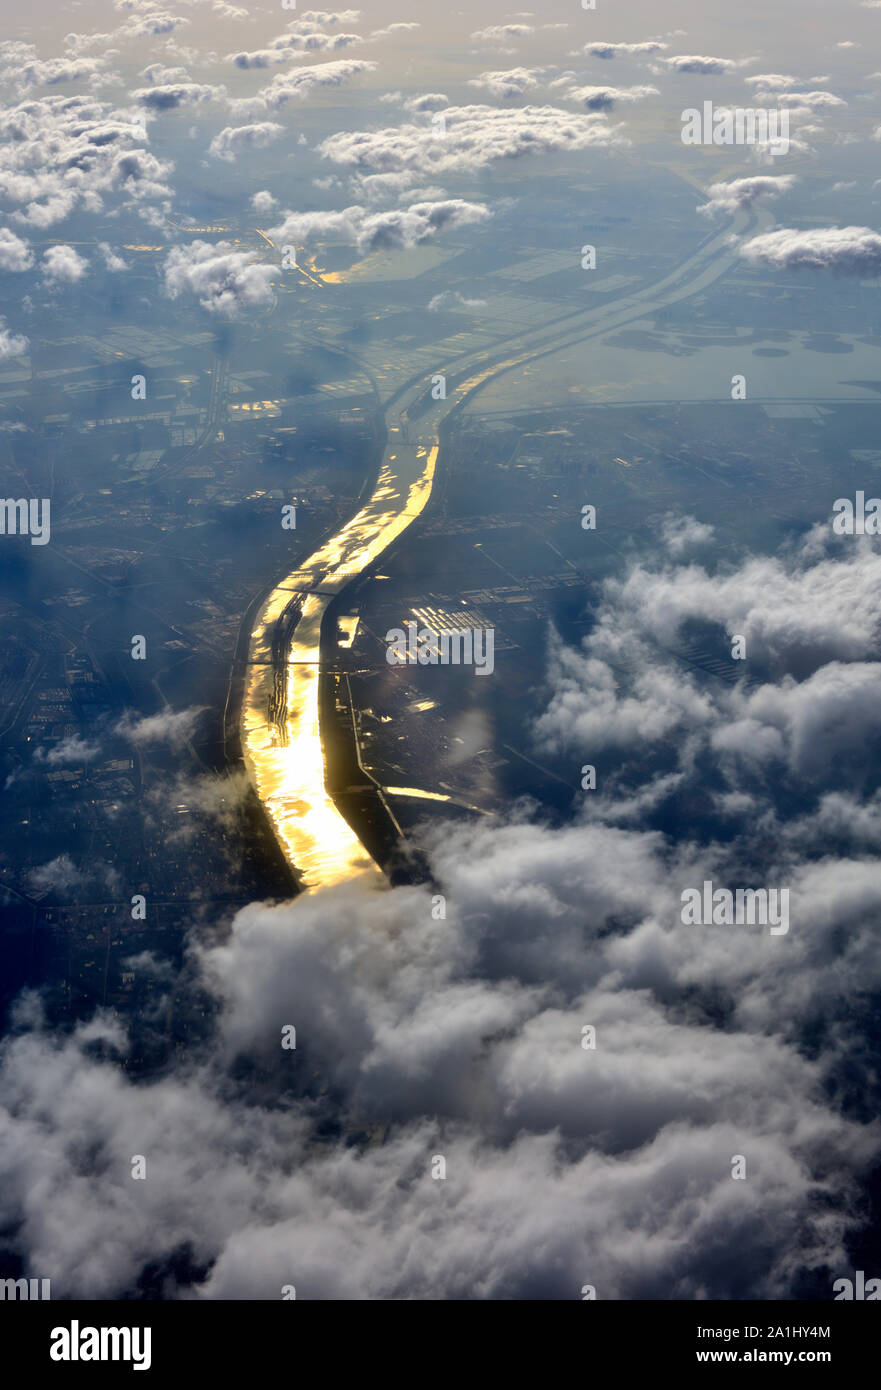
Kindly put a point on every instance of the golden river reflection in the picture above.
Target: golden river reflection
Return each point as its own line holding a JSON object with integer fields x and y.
{"x": 281, "y": 738}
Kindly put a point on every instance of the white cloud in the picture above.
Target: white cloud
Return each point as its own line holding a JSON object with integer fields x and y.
{"x": 324, "y": 19}
{"x": 72, "y": 749}
{"x": 428, "y": 101}
{"x": 390, "y": 30}
{"x": 844, "y": 250}
{"x": 170, "y": 96}
{"x": 395, "y": 229}
{"x": 52, "y": 71}
{"x": 514, "y": 82}
{"x": 300, "y": 83}
{"x": 15, "y": 252}
{"x": 464, "y": 1039}
{"x": 808, "y": 101}
{"x": 55, "y": 877}
{"x": 810, "y": 618}
{"x": 63, "y": 265}
{"x": 227, "y": 11}
{"x": 169, "y": 726}
{"x": 112, "y": 260}
{"x": 475, "y": 136}
{"x": 64, "y": 153}
{"x": 605, "y": 98}
{"x": 772, "y": 81}
{"x": 290, "y": 47}
{"x": 232, "y": 140}
{"x": 224, "y": 281}
{"x": 626, "y": 50}
{"x": 691, "y": 63}
{"x": 502, "y": 33}
{"x": 151, "y": 23}
{"x": 160, "y": 74}
{"x": 11, "y": 344}
{"x": 263, "y": 201}
{"x": 682, "y": 533}
{"x": 452, "y": 299}
{"x": 743, "y": 193}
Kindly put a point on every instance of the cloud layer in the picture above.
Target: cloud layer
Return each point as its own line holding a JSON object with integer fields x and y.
{"x": 461, "y": 1038}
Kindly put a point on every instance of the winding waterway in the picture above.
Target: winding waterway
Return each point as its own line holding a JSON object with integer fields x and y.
{"x": 281, "y": 737}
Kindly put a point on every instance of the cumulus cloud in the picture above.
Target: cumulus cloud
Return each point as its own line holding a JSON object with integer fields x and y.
{"x": 160, "y": 74}
{"x": 15, "y": 253}
{"x": 55, "y": 877}
{"x": 175, "y": 727}
{"x": 511, "y": 83}
{"x": 475, "y": 136}
{"x": 807, "y": 101}
{"x": 682, "y": 533}
{"x": 300, "y": 82}
{"x": 72, "y": 749}
{"x": 151, "y": 23}
{"x": 182, "y": 810}
{"x": 146, "y": 21}
{"x": 773, "y": 81}
{"x": 112, "y": 260}
{"x": 452, "y": 299}
{"x": 259, "y": 58}
{"x": 170, "y": 96}
{"x": 59, "y": 154}
{"x": 11, "y": 344}
{"x": 323, "y": 19}
{"x": 395, "y": 229}
{"x": 402, "y": 27}
{"x": 16, "y": 51}
{"x": 263, "y": 201}
{"x": 811, "y": 622}
{"x": 605, "y": 98}
{"x": 224, "y": 281}
{"x": 232, "y": 140}
{"x": 843, "y": 250}
{"x": 50, "y": 72}
{"x": 378, "y": 187}
{"x": 407, "y": 227}
{"x": 428, "y": 101}
{"x": 691, "y": 63}
{"x": 743, "y": 193}
{"x": 61, "y": 875}
{"x": 502, "y": 33}
{"x": 308, "y": 40}
{"x": 63, "y": 265}
{"x": 625, "y": 50}
{"x": 227, "y": 11}
{"x": 290, "y": 47}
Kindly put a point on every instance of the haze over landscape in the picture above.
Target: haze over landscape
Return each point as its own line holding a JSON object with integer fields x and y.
{"x": 543, "y": 963}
